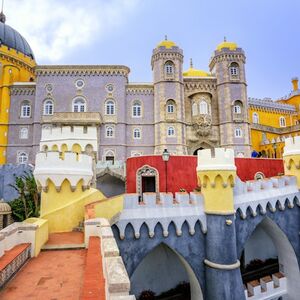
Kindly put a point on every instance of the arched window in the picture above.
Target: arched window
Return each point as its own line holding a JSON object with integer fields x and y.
{"x": 24, "y": 133}
{"x": 238, "y": 132}
{"x": 137, "y": 133}
{"x": 25, "y": 109}
{"x": 170, "y": 106}
{"x": 234, "y": 70}
{"x": 79, "y": 105}
{"x": 169, "y": 68}
{"x": 109, "y": 131}
{"x": 48, "y": 107}
{"x": 171, "y": 131}
{"x": 237, "y": 107}
{"x": 203, "y": 107}
{"x": 255, "y": 118}
{"x": 282, "y": 122}
{"x": 195, "y": 109}
{"x": 22, "y": 158}
{"x": 136, "y": 109}
{"x": 109, "y": 156}
{"x": 110, "y": 107}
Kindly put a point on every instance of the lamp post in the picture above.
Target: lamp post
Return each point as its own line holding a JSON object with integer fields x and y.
{"x": 166, "y": 157}
{"x": 274, "y": 147}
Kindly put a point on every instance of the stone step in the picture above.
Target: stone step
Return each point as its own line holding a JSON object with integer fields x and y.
{"x": 63, "y": 247}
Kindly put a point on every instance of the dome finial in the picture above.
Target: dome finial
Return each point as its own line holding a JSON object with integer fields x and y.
{"x": 225, "y": 40}
{"x": 191, "y": 63}
{"x": 166, "y": 37}
{"x": 2, "y": 15}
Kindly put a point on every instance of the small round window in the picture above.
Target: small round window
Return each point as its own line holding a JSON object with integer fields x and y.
{"x": 110, "y": 88}
{"x": 49, "y": 87}
{"x": 79, "y": 83}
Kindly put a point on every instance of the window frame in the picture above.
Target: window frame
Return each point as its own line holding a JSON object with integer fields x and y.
{"x": 47, "y": 107}
{"x": 136, "y": 111}
{"x": 21, "y": 133}
{"x": 240, "y": 134}
{"x": 173, "y": 134}
{"x": 110, "y": 107}
{"x": 107, "y": 127}
{"x": 169, "y": 68}
{"x": 203, "y": 104}
{"x": 25, "y": 109}
{"x": 79, "y": 106}
{"x": 22, "y": 154}
{"x": 282, "y": 121}
{"x": 255, "y": 118}
{"x": 137, "y": 130}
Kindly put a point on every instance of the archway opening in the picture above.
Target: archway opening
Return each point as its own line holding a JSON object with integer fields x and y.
{"x": 110, "y": 185}
{"x": 176, "y": 279}
{"x": 269, "y": 262}
{"x": 196, "y": 151}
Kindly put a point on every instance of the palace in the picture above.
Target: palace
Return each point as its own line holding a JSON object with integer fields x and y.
{"x": 182, "y": 111}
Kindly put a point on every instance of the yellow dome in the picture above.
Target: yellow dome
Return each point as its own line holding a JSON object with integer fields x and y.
{"x": 191, "y": 72}
{"x": 166, "y": 43}
{"x": 225, "y": 44}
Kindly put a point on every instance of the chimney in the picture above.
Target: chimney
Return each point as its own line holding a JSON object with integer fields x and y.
{"x": 295, "y": 83}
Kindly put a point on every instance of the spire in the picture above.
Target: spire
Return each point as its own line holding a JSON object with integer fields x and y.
{"x": 225, "y": 40}
{"x": 2, "y": 15}
{"x": 166, "y": 37}
{"x": 191, "y": 63}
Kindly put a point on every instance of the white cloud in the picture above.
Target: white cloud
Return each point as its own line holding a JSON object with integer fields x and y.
{"x": 54, "y": 27}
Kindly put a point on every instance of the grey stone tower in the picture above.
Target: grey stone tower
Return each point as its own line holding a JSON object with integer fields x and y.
{"x": 169, "y": 115}
{"x": 228, "y": 65}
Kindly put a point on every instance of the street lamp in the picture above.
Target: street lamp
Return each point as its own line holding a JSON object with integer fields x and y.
{"x": 166, "y": 157}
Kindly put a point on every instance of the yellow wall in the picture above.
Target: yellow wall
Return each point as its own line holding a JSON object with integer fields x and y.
{"x": 15, "y": 67}
{"x": 65, "y": 209}
{"x": 41, "y": 234}
{"x": 108, "y": 208}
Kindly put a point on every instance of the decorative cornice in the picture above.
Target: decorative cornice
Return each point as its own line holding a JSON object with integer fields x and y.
{"x": 166, "y": 55}
{"x": 200, "y": 85}
{"x": 80, "y": 70}
{"x": 220, "y": 56}
{"x": 17, "y": 62}
{"x": 24, "y": 90}
{"x": 139, "y": 89}
{"x": 270, "y": 105}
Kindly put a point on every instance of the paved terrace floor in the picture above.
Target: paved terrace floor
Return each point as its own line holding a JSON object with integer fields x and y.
{"x": 53, "y": 275}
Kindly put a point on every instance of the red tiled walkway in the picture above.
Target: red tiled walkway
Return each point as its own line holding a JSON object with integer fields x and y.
{"x": 66, "y": 238}
{"x": 53, "y": 275}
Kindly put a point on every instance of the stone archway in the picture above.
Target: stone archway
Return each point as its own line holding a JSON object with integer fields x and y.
{"x": 171, "y": 266}
{"x": 201, "y": 146}
{"x": 287, "y": 260}
{"x": 146, "y": 172}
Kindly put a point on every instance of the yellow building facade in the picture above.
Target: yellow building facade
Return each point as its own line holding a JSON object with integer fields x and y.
{"x": 17, "y": 65}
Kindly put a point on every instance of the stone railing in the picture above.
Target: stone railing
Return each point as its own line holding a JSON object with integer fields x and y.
{"x": 267, "y": 288}
{"x": 78, "y": 118}
{"x": 116, "y": 168}
{"x": 282, "y": 130}
{"x": 265, "y": 194}
{"x": 117, "y": 284}
{"x": 163, "y": 211}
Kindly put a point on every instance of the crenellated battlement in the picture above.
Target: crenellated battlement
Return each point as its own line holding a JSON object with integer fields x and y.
{"x": 73, "y": 167}
{"x": 270, "y": 193}
{"x": 220, "y": 159}
{"x": 69, "y": 136}
{"x": 292, "y": 146}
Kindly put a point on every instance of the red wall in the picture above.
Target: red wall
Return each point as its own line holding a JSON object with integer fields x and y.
{"x": 182, "y": 170}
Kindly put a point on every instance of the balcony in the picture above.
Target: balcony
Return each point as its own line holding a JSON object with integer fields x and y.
{"x": 73, "y": 118}
{"x": 281, "y": 130}
{"x": 238, "y": 117}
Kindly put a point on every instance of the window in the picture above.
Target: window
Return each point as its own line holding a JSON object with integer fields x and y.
{"x": 194, "y": 109}
{"x": 136, "y": 109}
{"x": 109, "y": 131}
{"x": 171, "y": 131}
{"x": 237, "y": 109}
{"x": 136, "y": 153}
{"x": 136, "y": 133}
{"x": 22, "y": 158}
{"x": 238, "y": 132}
{"x": 25, "y": 109}
{"x": 109, "y": 156}
{"x": 79, "y": 83}
{"x": 234, "y": 70}
{"x": 79, "y": 105}
{"x": 203, "y": 107}
{"x": 282, "y": 122}
{"x": 169, "y": 68}
{"x": 23, "y": 133}
{"x": 170, "y": 106}
{"x": 109, "y": 107}
{"x": 255, "y": 118}
{"x": 48, "y": 107}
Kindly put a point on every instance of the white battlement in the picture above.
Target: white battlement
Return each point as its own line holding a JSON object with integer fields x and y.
{"x": 50, "y": 165}
{"x": 292, "y": 146}
{"x": 266, "y": 288}
{"x": 164, "y": 211}
{"x": 221, "y": 159}
{"x": 265, "y": 193}
{"x": 81, "y": 135}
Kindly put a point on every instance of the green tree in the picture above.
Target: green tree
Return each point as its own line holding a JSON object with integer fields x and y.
{"x": 28, "y": 203}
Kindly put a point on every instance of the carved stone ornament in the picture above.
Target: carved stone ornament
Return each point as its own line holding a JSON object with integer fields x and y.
{"x": 202, "y": 124}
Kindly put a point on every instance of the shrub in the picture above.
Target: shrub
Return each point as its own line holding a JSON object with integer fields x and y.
{"x": 147, "y": 295}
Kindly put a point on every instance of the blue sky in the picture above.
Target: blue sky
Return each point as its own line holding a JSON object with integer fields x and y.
{"x": 126, "y": 31}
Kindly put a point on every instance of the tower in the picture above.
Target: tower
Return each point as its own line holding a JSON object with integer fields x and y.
{"x": 228, "y": 65}
{"x": 217, "y": 172}
{"x": 169, "y": 115}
